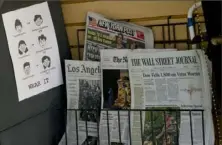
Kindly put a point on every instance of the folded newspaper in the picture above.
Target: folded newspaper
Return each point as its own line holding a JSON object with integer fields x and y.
{"x": 170, "y": 81}
{"x": 116, "y": 94}
{"x": 83, "y": 95}
{"x": 103, "y": 33}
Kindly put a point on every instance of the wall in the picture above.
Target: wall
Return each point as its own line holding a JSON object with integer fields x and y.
{"x": 140, "y": 12}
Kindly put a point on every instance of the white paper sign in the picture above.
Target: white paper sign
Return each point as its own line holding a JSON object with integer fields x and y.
{"x": 34, "y": 50}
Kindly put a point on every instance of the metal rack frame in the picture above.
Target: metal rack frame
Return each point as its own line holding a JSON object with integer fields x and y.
{"x": 140, "y": 111}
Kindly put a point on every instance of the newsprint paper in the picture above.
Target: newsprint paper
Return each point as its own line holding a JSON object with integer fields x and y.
{"x": 83, "y": 92}
{"x": 170, "y": 80}
{"x": 116, "y": 94}
{"x": 103, "y": 33}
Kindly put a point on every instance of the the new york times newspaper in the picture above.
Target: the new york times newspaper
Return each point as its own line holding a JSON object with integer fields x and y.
{"x": 116, "y": 96}
{"x": 168, "y": 81}
{"x": 103, "y": 33}
{"x": 83, "y": 92}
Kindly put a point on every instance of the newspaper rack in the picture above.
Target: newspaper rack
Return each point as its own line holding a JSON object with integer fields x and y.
{"x": 171, "y": 35}
{"x": 190, "y": 111}
{"x": 141, "y": 124}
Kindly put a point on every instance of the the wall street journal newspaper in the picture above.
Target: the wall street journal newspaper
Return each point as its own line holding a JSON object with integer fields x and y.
{"x": 116, "y": 95}
{"x": 171, "y": 81}
{"x": 103, "y": 33}
{"x": 83, "y": 92}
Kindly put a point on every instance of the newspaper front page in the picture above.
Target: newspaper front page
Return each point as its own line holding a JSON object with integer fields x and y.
{"x": 103, "y": 33}
{"x": 83, "y": 92}
{"x": 170, "y": 81}
{"x": 116, "y": 96}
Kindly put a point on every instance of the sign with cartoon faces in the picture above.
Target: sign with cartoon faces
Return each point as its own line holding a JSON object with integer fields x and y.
{"x": 34, "y": 50}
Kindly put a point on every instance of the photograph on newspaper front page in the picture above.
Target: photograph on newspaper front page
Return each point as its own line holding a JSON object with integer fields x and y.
{"x": 159, "y": 130}
{"x": 116, "y": 96}
{"x": 89, "y": 98}
{"x": 103, "y": 33}
{"x": 116, "y": 89}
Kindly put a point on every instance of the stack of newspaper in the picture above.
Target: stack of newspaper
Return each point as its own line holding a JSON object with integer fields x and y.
{"x": 147, "y": 96}
{"x": 103, "y": 33}
{"x": 171, "y": 81}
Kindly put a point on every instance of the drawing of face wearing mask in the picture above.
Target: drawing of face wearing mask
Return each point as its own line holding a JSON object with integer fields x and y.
{"x": 42, "y": 41}
{"x": 46, "y": 62}
{"x": 22, "y": 47}
{"x": 18, "y": 26}
{"x": 26, "y": 67}
{"x": 38, "y": 20}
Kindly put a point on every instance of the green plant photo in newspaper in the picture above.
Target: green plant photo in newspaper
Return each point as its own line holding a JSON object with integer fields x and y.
{"x": 159, "y": 130}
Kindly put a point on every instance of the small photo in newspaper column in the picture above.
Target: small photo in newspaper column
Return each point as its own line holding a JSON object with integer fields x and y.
{"x": 161, "y": 128}
{"x": 119, "y": 41}
{"x": 116, "y": 89}
{"x": 125, "y": 43}
{"x": 46, "y": 62}
{"x": 22, "y": 47}
{"x": 89, "y": 98}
